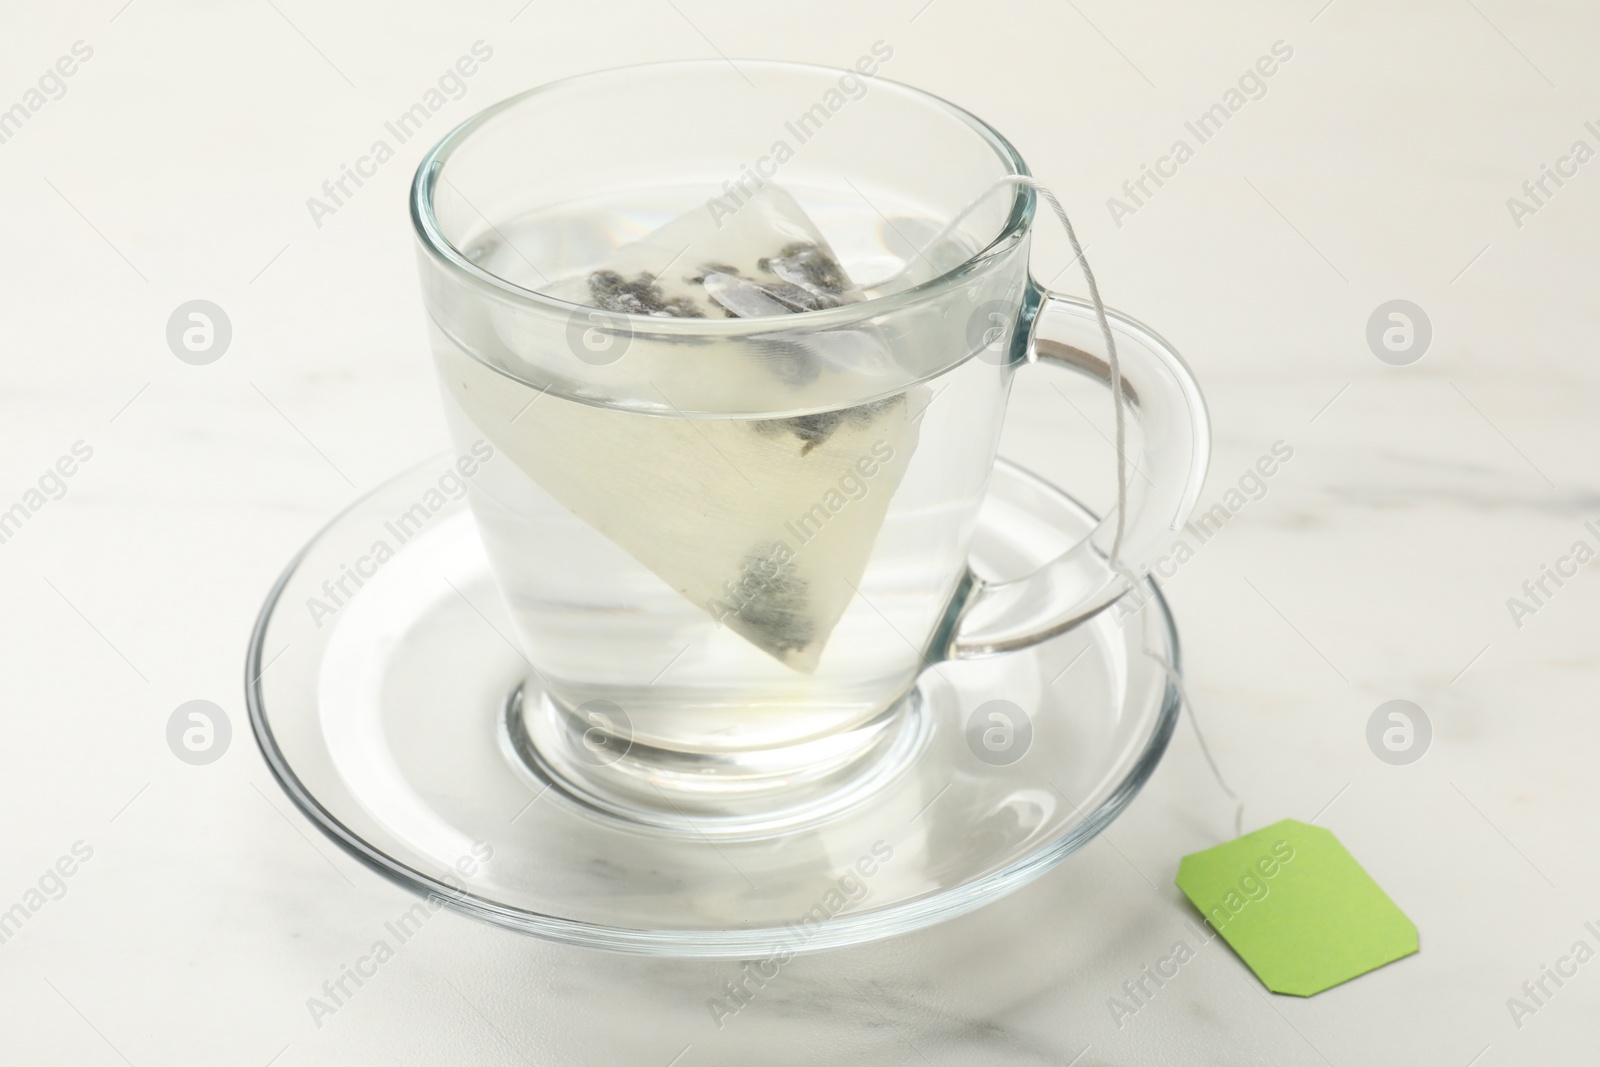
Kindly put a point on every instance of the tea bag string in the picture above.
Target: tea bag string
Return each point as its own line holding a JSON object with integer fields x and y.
{"x": 1122, "y": 485}
{"x": 1205, "y": 749}
{"x": 1121, "y": 444}
{"x": 1100, "y": 315}
{"x": 1122, "y": 481}
{"x": 1111, "y": 357}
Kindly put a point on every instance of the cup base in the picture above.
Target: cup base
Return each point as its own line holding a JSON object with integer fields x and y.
{"x": 386, "y": 721}
{"x": 747, "y": 794}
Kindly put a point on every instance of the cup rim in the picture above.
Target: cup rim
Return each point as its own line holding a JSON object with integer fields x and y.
{"x": 425, "y": 222}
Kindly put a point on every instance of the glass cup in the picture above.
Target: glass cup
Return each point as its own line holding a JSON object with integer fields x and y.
{"x": 730, "y": 546}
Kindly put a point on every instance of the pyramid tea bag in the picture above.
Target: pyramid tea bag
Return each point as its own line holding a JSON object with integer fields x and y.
{"x": 766, "y": 524}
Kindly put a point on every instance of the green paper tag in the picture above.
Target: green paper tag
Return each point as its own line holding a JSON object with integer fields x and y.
{"x": 1296, "y": 907}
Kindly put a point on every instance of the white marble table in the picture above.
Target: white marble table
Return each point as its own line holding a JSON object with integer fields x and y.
{"x": 1375, "y": 165}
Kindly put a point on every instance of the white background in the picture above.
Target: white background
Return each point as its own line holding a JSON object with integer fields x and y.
{"x": 1378, "y": 565}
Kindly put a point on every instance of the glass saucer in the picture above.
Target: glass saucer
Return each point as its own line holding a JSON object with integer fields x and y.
{"x": 382, "y": 673}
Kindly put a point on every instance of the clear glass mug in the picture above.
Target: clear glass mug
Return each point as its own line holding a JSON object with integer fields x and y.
{"x": 730, "y": 546}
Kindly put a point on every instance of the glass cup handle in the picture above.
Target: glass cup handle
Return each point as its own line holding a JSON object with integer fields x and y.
{"x": 1164, "y": 479}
